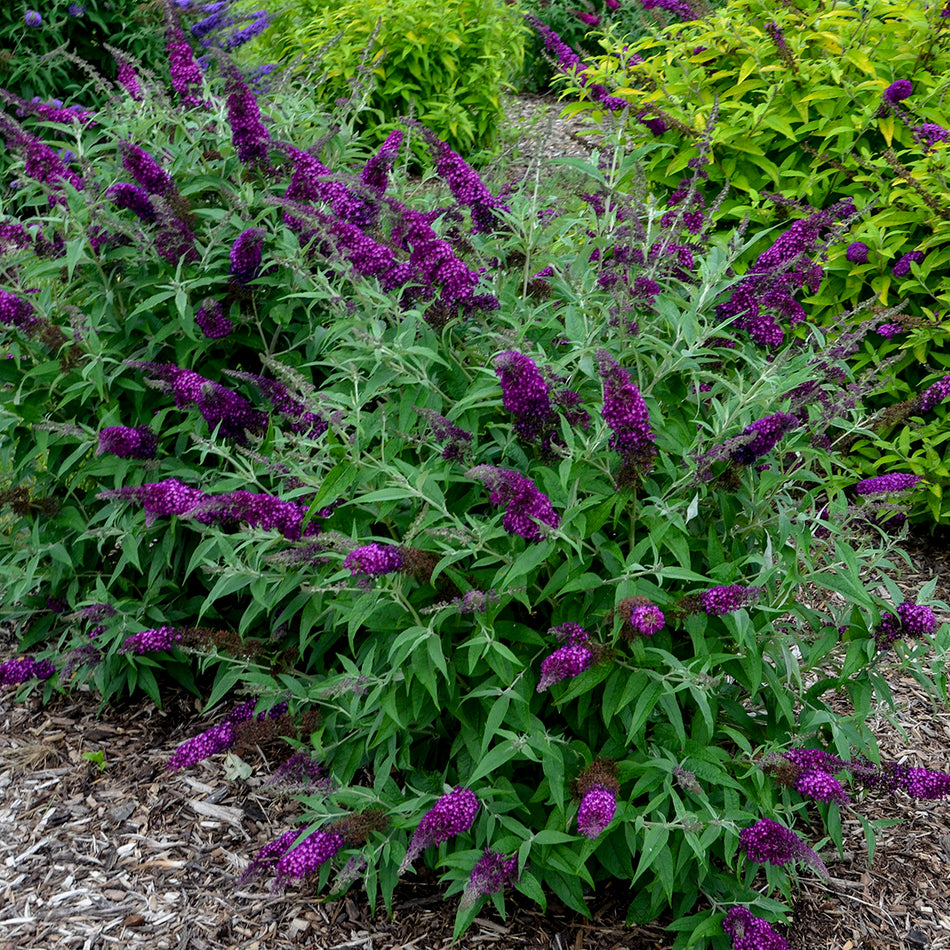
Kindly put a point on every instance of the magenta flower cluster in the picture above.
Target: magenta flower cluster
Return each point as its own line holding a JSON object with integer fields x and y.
{"x": 888, "y": 484}
{"x": 766, "y": 434}
{"x": 646, "y": 619}
{"x": 186, "y": 75}
{"x": 375, "y": 173}
{"x": 127, "y": 442}
{"x": 912, "y": 620}
{"x": 19, "y": 670}
{"x": 302, "y": 860}
{"x": 596, "y": 811}
{"x": 223, "y": 409}
{"x": 902, "y": 267}
{"x": 249, "y": 135}
{"x": 374, "y": 560}
{"x": 452, "y": 814}
{"x": 147, "y": 171}
{"x": 626, "y": 414}
{"x": 525, "y": 395}
{"x": 933, "y": 395}
{"x": 15, "y": 311}
{"x": 159, "y": 499}
{"x": 857, "y": 253}
{"x": 769, "y": 842}
{"x": 246, "y": 255}
{"x": 457, "y": 441}
{"x": 725, "y": 599}
{"x": 526, "y": 508}
{"x": 492, "y": 872}
{"x": 152, "y": 641}
{"x": 748, "y": 932}
{"x": 211, "y": 319}
{"x": 570, "y": 660}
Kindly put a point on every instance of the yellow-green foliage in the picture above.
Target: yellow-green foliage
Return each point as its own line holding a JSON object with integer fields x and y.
{"x": 805, "y": 121}
{"x": 446, "y": 63}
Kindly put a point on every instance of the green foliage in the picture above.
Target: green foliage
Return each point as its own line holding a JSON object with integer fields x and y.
{"x": 802, "y": 117}
{"x": 434, "y": 671}
{"x": 80, "y": 28}
{"x": 445, "y": 63}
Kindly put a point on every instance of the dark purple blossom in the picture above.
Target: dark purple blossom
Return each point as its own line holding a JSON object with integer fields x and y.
{"x": 902, "y": 267}
{"x": 897, "y": 91}
{"x": 302, "y": 772}
{"x": 933, "y": 395}
{"x": 766, "y": 434}
{"x": 374, "y": 560}
{"x": 525, "y": 506}
{"x": 211, "y": 319}
{"x": 246, "y": 255}
{"x": 596, "y": 811}
{"x": 304, "y": 859}
{"x": 311, "y": 181}
{"x": 147, "y": 171}
{"x": 626, "y": 414}
{"x": 186, "y": 75}
{"x": 152, "y": 641}
{"x": 769, "y": 842}
{"x": 857, "y": 252}
{"x": 127, "y": 443}
{"x": 227, "y": 411}
{"x": 132, "y": 198}
{"x": 452, "y": 814}
{"x": 929, "y": 133}
{"x": 570, "y": 632}
{"x": 889, "y": 330}
{"x": 269, "y": 855}
{"x": 32, "y": 18}
{"x": 887, "y": 484}
{"x": 678, "y": 8}
{"x": 570, "y": 660}
{"x": 248, "y": 133}
{"x": 493, "y": 872}
{"x": 457, "y": 441}
{"x": 19, "y": 670}
{"x": 751, "y": 933}
{"x": 821, "y": 786}
{"x": 15, "y": 311}
{"x": 375, "y": 173}
{"x": 725, "y": 599}
{"x": 304, "y": 421}
{"x": 525, "y": 396}
{"x": 646, "y": 619}
{"x": 260, "y": 20}
{"x": 128, "y": 78}
{"x": 167, "y": 497}
{"x": 41, "y": 163}
{"x": 256, "y": 510}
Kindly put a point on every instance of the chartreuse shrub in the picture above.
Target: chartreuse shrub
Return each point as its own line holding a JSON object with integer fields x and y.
{"x": 814, "y": 103}
{"x": 511, "y": 516}
{"x": 446, "y": 63}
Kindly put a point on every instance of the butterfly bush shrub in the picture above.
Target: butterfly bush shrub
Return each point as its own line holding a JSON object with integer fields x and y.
{"x": 516, "y": 512}
{"x": 818, "y": 103}
{"x": 446, "y": 63}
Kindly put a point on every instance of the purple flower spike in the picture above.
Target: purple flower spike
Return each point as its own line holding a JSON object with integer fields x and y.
{"x": 304, "y": 859}
{"x": 15, "y": 312}
{"x": 570, "y": 660}
{"x": 168, "y": 497}
{"x": 525, "y": 506}
{"x": 857, "y": 253}
{"x": 146, "y": 171}
{"x": 211, "y": 319}
{"x": 375, "y": 174}
{"x": 127, "y": 443}
{"x": 493, "y": 872}
{"x": 898, "y": 90}
{"x": 934, "y": 395}
{"x": 374, "y": 560}
{"x": 769, "y": 842}
{"x": 647, "y": 619}
{"x": 821, "y": 786}
{"x": 151, "y": 641}
{"x": 248, "y": 133}
{"x": 751, "y": 933}
{"x": 449, "y": 816}
{"x": 19, "y": 670}
{"x": 246, "y": 255}
{"x": 525, "y": 396}
{"x": 887, "y": 484}
{"x": 128, "y": 79}
{"x": 186, "y": 75}
{"x": 626, "y": 414}
{"x": 766, "y": 434}
{"x": 132, "y": 198}
{"x": 33, "y": 18}
{"x": 724, "y": 600}
{"x": 902, "y": 267}
{"x": 917, "y": 620}
{"x": 596, "y": 811}
{"x": 269, "y": 855}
